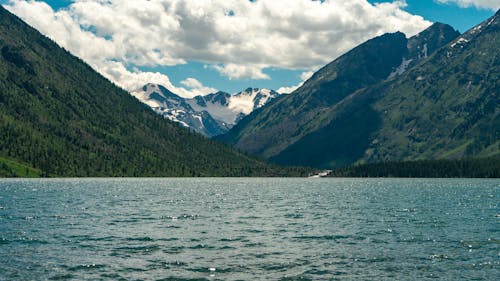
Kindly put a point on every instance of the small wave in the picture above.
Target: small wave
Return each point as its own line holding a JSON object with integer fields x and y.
{"x": 233, "y": 239}
{"x": 323, "y": 237}
{"x": 114, "y": 276}
{"x": 278, "y": 266}
{"x": 201, "y": 246}
{"x": 172, "y": 227}
{"x": 473, "y": 244}
{"x": 168, "y": 239}
{"x": 66, "y": 276}
{"x": 318, "y": 272}
{"x": 174, "y": 250}
{"x": 139, "y": 249}
{"x": 439, "y": 257}
{"x": 104, "y": 238}
{"x": 142, "y": 239}
{"x": 132, "y": 269}
{"x": 177, "y": 278}
{"x": 375, "y": 260}
{"x": 254, "y": 244}
{"x": 300, "y": 277}
{"x": 294, "y": 216}
{"x": 84, "y": 267}
{"x": 129, "y": 220}
{"x": 253, "y": 230}
{"x": 211, "y": 269}
{"x": 249, "y": 217}
{"x": 181, "y": 217}
{"x": 26, "y": 240}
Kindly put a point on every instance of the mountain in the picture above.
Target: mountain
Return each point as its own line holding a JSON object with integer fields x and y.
{"x": 444, "y": 107}
{"x": 210, "y": 115}
{"x": 287, "y": 121}
{"x": 58, "y": 117}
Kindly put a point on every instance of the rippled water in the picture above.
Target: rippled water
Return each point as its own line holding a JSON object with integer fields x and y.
{"x": 247, "y": 229}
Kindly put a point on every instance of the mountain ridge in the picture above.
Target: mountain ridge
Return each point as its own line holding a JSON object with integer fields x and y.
{"x": 61, "y": 118}
{"x": 286, "y": 121}
{"x": 211, "y": 114}
{"x": 445, "y": 107}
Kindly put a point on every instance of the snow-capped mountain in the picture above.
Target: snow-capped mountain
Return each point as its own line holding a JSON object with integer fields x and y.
{"x": 211, "y": 115}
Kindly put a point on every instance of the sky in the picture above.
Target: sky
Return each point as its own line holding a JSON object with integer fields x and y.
{"x": 196, "y": 47}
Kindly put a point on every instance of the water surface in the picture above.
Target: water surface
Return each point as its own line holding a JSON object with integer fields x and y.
{"x": 247, "y": 229}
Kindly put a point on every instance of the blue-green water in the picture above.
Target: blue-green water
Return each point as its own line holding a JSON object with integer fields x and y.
{"x": 248, "y": 229}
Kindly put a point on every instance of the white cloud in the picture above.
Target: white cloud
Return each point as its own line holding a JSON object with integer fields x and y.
{"x": 304, "y": 76}
{"x": 135, "y": 79}
{"x": 196, "y": 87}
{"x": 288, "y": 90}
{"x": 236, "y": 71}
{"x": 237, "y": 38}
{"x": 481, "y": 4}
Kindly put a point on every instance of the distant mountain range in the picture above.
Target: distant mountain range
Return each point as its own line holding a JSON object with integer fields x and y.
{"x": 432, "y": 96}
{"x": 58, "y": 117}
{"x": 210, "y": 115}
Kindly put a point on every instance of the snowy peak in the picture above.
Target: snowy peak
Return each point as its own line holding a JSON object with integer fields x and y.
{"x": 157, "y": 96}
{"x": 251, "y": 99}
{"x": 210, "y": 115}
{"x": 216, "y": 98}
{"x": 168, "y": 104}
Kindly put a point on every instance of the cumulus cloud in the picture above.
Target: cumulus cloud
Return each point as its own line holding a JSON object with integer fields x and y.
{"x": 235, "y": 71}
{"x": 304, "y": 76}
{"x": 481, "y": 4}
{"x": 196, "y": 87}
{"x": 135, "y": 79}
{"x": 237, "y": 38}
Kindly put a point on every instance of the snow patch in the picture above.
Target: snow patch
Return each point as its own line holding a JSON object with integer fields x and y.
{"x": 216, "y": 110}
{"x": 460, "y": 41}
{"x": 401, "y": 68}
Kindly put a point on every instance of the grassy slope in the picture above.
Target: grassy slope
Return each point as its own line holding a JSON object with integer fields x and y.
{"x": 12, "y": 168}
{"x": 446, "y": 107}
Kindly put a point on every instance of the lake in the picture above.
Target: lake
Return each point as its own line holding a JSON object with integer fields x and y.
{"x": 247, "y": 229}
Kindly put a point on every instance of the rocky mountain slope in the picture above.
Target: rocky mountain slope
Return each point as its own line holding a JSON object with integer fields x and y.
{"x": 433, "y": 96}
{"x": 271, "y": 130}
{"x": 210, "y": 115}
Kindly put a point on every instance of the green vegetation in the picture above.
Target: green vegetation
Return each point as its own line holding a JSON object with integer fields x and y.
{"x": 463, "y": 168}
{"x": 12, "y": 168}
{"x": 444, "y": 106}
{"x": 58, "y": 117}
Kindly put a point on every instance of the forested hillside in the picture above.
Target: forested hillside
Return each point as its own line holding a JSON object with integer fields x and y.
{"x": 58, "y": 117}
